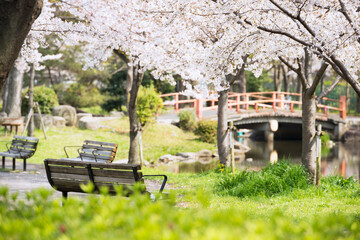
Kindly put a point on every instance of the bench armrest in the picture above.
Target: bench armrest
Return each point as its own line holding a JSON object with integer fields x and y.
{"x": 67, "y": 155}
{"x": 163, "y": 183}
{"x": 7, "y": 146}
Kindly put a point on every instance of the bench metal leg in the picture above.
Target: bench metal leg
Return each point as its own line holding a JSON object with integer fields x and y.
{"x": 64, "y": 197}
{"x": 3, "y": 162}
{"x": 24, "y": 165}
{"x": 65, "y": 194}
{"x": 14, "y": 167}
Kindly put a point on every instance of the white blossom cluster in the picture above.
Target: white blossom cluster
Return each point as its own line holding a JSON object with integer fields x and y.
{"x": 204, "y": 40}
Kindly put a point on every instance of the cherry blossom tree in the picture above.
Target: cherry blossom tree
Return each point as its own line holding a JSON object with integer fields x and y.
{"x": 205, "y": 41}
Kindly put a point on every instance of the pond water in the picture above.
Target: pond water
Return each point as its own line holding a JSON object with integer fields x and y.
{"x": 341, "y": 159}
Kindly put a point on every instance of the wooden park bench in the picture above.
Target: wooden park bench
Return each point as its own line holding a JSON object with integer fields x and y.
{"x": 20, "y": 147}
{"x": 68, "y": 176}
{"x": 94, "y": 151}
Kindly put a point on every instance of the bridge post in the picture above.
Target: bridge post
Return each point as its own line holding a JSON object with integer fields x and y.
{"x": 282, "y": 98}
{"x": 247, "y": 102}
{"x": 273, "y": 101}
{"x": 177, "y": 102}
{"x": 343, "y": 107}
{"x": 238, "y": 103}
{"x": 199, "y": 108}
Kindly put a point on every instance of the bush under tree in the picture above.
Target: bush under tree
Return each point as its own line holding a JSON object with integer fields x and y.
{"x": 187, "y": 120}
{"x": 79, "y": 96}
{"x": 45, "y": 96}
{"x": 148, "y": 104}
{"x": 206, "y": 130}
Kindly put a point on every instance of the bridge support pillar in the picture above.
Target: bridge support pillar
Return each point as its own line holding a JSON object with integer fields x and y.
{"x": 269, "y": 136}
{"x": 339, "y": 131}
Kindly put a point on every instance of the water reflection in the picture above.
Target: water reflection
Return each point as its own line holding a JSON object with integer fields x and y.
{"x": 342, "y": 159}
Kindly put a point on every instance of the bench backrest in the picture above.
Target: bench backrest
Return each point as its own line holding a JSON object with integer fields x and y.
{"x": 67, "y": 175}
{"x": 98, "y": 151}
{"x": 24, "y": 145}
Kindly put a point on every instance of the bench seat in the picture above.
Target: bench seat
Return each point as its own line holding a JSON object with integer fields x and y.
{"x": 68, "y": 175}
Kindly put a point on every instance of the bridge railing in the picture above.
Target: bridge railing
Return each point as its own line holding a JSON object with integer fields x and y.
{"x": 257, "y": 101}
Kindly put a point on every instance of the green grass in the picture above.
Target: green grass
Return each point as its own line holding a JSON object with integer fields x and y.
{"x": 297, "y": 201}
{"x": 158, "y": 139}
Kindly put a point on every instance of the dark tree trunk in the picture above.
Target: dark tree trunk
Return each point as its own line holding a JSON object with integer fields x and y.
{"x": 31, "y": 102}
{"x": 16, "y": 18}
{"x": 357, "y": 106}
{"x": 12, "y": 102}
{"x": 240, "y": 82}
{"x": 285, "y": 79}
{"x": 134, "y": 127}
{"x": 277, "y": 73}
{"x": 222, "y": 140}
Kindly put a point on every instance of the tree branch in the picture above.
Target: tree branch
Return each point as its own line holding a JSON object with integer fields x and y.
{"x": 329, "y": 89}
{"x": 298, "y": 70}
{"x": 346, "y": 74}
{"x": 347, "y": 17}
{"x": 318, "y": 77}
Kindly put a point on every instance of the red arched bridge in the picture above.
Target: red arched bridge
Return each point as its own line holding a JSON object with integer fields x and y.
{"x": 255, "y": 110}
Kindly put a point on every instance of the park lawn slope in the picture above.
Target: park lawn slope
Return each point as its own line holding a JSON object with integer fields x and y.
{"x": 158, "y": 139}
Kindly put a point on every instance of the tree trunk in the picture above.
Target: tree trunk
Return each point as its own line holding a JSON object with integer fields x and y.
{"x": 5, "y": 94}
{"x": 308, "y": 151}
{"x": 277, "y": 73}
{"x": 285, "y": 79}
{"x": 31, "y": 102}
{"x": 239, "y": 85}
{"x": 134, "y": 127}
{"x": 347, "y": 97}
{"x": 12, "y": 103}
{"x": 16, "y": 18}
{"x": 222, "y": 140}
{"x": 357, "y": 106}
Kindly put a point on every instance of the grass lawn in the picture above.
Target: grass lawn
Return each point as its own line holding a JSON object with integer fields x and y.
{"x": 158, "y": 139}
{"x": 208, "y": 205}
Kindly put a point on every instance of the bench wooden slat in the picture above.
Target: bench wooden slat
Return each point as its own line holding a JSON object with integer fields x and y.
{"x": 115, "y": 173}
{"x": 24, "y": 142}
{"x": 100, "y": 143}
{"x": 17, "y": 150}
{"x": 26, "y": 138}
{"x": 94, "y": 165}
{"x": 90, "y": 156}
{"x": 72, "y": 177}
{"x": 70, "y": 170}
{"x": 96, "y": 172}
{"x": 94, "y": 147}
{"x": 114, "y": 180}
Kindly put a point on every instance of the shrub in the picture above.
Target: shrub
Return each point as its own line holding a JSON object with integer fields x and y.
{"x": 78, "y": 95}
{"x": 148, "y": 104}
{"x": 45, "y": 96}
{"x": 187, "y": 120}
{"x": 41, "y": 216}
{"x": 278, "y": 178}
{"x": 207, "y": 131}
